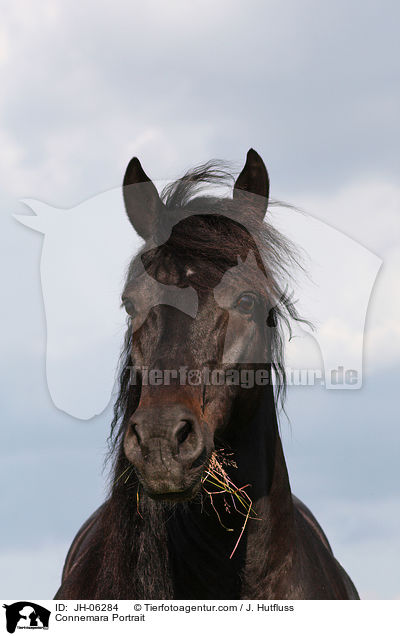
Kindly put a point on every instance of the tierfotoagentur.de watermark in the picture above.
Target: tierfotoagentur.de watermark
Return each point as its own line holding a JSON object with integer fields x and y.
{"x": 245, "y": 378}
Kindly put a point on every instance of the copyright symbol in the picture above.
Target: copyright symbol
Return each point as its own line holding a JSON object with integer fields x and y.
{"x": 137, "y": 607}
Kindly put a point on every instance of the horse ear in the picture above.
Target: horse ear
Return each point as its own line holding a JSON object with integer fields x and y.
{"x": 253, "y": 180}
{"x": 142, "y": 202}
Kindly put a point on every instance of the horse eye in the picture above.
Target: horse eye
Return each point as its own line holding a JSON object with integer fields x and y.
{"x": 129, "y": 306}
{"x": 246, "y": 303}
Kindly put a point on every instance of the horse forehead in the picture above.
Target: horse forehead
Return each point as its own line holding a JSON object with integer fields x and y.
{"x": 204, "y": 316}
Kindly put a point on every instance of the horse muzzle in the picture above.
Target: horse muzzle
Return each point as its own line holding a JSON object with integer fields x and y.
{"x": 168, "y": 446}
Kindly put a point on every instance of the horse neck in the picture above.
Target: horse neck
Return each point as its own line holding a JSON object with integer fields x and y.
{"x": 271, "y": 542}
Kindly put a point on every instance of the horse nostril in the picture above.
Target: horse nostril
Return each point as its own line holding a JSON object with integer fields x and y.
{"x": 184, "y": 432}
{"x": 136, "y": 433}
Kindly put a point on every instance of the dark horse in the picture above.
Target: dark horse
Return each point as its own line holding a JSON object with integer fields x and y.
{"x": 200, "y": 505}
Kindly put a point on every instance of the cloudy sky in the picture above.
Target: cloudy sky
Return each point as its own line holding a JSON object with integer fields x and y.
{"x": 314, "y": 87}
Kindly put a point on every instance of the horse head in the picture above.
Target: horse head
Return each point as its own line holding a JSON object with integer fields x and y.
{"x": 192, "y": 359}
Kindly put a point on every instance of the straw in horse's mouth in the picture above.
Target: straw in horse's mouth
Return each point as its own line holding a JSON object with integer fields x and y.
{"x": 216, "y": 481}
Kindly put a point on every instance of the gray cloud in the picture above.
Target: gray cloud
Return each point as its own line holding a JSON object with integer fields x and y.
{"x": 312, "y": 86}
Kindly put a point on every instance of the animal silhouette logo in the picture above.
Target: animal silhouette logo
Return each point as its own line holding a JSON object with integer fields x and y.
{"x": 86, "y": 250}
{"x": 26, "y": 615}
